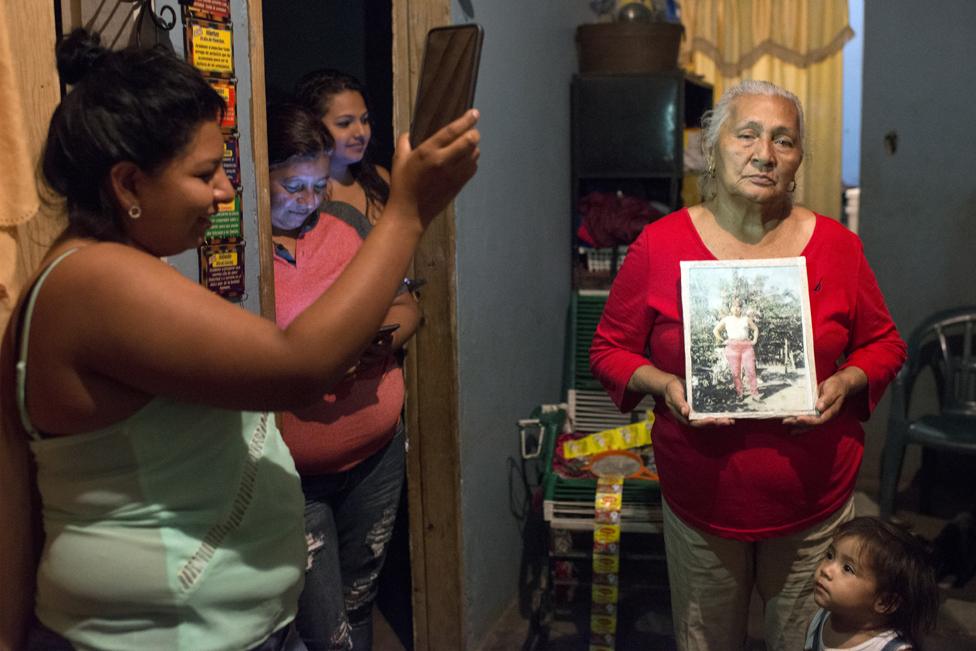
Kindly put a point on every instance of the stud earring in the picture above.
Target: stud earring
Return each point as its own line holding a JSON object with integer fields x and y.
{"x": 135, "y": 212}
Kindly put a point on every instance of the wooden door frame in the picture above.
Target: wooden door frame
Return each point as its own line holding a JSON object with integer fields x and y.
{"x": 433, "y": 458}
{"x": 259, "y": 147}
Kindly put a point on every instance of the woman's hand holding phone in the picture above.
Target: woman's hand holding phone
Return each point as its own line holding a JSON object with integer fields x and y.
{"x": 380, "y": 349}
{"x": 430, "y": 176}
{"x": 434, "y": 161}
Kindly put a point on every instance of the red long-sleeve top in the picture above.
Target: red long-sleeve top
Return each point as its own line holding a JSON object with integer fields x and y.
{"x": 754, "y": 479}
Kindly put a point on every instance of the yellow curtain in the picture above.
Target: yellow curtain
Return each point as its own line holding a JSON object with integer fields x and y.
{"x": 18, "y": 193}
{"x": 29, "y": 91}
{"x": 796, "y": 44}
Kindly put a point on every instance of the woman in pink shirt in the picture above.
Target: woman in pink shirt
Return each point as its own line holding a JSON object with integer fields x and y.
{"x": 348, "y": 445}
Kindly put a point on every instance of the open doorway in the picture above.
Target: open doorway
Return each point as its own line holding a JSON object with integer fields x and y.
{"x": 356, "y": 39}
{"x": 353, "y": 37}
{"x": 434, "y": 589}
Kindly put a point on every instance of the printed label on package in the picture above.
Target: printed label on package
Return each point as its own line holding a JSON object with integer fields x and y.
{"x": 210, "y": 47}
{"x": 227, "y": 88}
{"x": 607, "y": 502}
{"x": 604, "y": 594}
{"x": 222, "y": 269}
{"x": 226, "y": 223}
{"x": 603, "y": 625}
{"x": 606, "y": 563}
{"x": 217, "y": 10}
{"x": 232, "y": 160}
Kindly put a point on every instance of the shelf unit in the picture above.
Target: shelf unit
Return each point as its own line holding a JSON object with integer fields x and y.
{"x": 627, "y": 135}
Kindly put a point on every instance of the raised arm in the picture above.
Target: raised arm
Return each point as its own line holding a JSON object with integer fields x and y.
{"x": 113, "y": 313}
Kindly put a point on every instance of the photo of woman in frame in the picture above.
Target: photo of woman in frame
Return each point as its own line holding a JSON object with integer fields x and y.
{"x": 748, "y": 340}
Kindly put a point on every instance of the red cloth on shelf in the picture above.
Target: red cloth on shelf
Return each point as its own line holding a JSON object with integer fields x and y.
{"x": 611, "y": 219}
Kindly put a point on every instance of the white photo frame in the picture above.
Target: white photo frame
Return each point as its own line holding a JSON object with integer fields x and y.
{"x": 771, "y": 324}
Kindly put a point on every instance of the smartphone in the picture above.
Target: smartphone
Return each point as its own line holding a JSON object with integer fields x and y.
{"x": 448, "y": 76}
{"x": 386, "y": 328}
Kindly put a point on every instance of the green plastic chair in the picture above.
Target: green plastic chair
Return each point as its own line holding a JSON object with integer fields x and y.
{"x": 945, "y": 344}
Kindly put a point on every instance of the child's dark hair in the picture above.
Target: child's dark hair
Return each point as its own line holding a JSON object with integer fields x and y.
{"x": 294, "y": 132}
{"x": 316, "y": 90}
{"x": 903, "y": 572}
{"x": 138, "y": 105}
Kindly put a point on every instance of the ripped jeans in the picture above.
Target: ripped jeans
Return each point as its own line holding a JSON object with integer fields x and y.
{"x": 348, "y": 523}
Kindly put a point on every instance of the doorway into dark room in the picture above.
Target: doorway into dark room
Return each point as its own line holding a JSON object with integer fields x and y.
{"x": 354, "y": 38}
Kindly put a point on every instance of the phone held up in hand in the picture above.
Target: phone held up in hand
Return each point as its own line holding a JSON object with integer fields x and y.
{"x": 448, "y": 76}
{"x": 385, "y": 329}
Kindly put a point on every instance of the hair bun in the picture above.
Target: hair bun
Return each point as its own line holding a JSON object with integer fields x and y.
{"x": 78, "y": 54}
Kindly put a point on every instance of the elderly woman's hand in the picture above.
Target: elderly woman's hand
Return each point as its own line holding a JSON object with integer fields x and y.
{"x": 674, "y": 397}
{"x": 831, "y": 394}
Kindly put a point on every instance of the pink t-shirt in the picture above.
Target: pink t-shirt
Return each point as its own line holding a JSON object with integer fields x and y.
{"x": 359, "y": 416}
{"x": 755, "y": 479}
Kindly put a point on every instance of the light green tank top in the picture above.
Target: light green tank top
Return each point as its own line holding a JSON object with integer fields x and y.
{"x": 180, "y": 527}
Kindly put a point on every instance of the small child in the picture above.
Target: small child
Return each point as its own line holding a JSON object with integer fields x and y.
{"x": 876, "y": 590}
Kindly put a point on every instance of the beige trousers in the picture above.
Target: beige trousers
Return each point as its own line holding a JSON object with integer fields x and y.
{"x": 712, "y": 581}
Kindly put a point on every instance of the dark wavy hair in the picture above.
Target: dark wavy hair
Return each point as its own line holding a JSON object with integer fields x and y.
{"x": 903, "y": 571}
{"x": 138, "y": 105}
{"x": 316, "y": 89}
{"x": 294, "y": 132}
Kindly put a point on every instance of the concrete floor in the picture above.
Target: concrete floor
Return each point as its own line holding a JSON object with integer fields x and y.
{"x": 956, "y": 629}
{"x": 650, "y": 625}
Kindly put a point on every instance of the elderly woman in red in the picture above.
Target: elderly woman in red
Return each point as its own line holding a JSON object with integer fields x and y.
{"x": 749, "y": 504}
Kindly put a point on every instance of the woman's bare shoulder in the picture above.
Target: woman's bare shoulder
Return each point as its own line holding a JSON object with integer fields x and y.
{"x": 111, "y": 281}
{"x": 107, "y": 266}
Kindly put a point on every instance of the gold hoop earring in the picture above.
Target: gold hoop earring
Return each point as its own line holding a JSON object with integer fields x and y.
{"x": 135, "y": 212}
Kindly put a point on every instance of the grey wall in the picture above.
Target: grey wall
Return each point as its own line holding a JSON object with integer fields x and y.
{"x": 513, "y": 274}
{"x": 918, "y": 205}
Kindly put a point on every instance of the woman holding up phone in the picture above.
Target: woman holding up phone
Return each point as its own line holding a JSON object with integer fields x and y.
{"x": 348, "y": 445}
{"x": 171, "y": 508}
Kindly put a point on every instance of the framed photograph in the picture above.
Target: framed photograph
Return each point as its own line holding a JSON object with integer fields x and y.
{"x": 748, "y": 338}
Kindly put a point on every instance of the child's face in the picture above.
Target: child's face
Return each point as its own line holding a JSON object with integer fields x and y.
{"x": 845, "y": 585}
